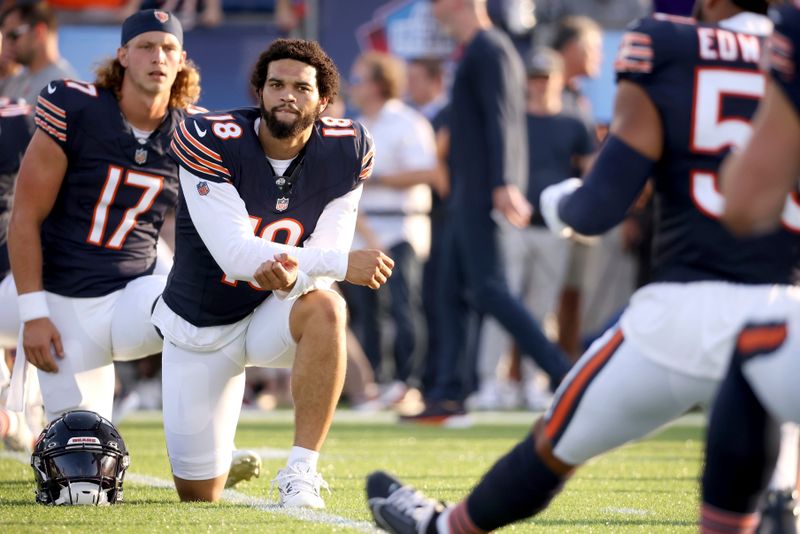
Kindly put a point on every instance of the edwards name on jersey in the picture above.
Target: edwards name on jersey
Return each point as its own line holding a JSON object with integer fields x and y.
{"x": 224, "y": 147}
{"x": 103, "y": 228}
{"x": 705, "y": 82}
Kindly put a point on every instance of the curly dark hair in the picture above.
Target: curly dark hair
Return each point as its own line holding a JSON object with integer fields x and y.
{"x": 301, "y": 50}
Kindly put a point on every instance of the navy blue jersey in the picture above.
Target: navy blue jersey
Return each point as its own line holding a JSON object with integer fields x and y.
{"x": 224, "y": 147}
{"x": 705, "y": 82}
{"x": 15, "y": 133}
{"x": 782, "y": 52}
{"x": 103, "y": 228}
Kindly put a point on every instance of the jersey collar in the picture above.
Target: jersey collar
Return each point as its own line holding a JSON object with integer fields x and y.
{"x": 747, "y": 22}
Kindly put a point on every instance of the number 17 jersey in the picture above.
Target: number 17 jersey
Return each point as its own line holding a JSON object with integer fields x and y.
{"x": 705, "y": 82}
{"x": 104, "y": 225}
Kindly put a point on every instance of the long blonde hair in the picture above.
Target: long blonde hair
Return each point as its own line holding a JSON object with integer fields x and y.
{"x": 185, "y": 89}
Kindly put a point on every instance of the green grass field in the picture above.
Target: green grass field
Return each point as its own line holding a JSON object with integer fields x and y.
{"x": 650, "y": 486}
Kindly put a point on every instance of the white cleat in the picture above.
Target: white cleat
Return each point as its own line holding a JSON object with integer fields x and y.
{"x": 299, "y": 486}
{"x": 245, "y": 465}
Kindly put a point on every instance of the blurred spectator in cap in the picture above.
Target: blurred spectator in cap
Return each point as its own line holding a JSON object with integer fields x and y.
{"x": 30, "y": 32}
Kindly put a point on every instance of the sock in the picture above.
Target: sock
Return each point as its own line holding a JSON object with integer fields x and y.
{"x": 457, "y": 521}
{"x": 518, "y": 486}
{"x": 716, "y": 521}
{"x": 741, "y": 449}
{"x": 785, "y": 475}
{"x": 299, "y": 454}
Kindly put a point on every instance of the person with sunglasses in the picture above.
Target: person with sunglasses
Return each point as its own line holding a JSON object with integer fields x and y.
{"x": 30, "y": 33}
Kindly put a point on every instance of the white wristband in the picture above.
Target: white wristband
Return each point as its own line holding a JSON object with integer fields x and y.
{"x": 32, "y": 306}
{"x": 549, "y": 200}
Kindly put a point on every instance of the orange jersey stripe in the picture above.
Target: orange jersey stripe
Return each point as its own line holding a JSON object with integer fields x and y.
{"x": 189, "y": 163}
{"x": 579, "y": 384}
{"x": 200, "y": 160}
{"x": 49, "y": 118}
{"x": 200, "y": 146}
{"x": 49, "y": 129}
{"x": 52, "y": 107}
{"x": 765, "y": 338}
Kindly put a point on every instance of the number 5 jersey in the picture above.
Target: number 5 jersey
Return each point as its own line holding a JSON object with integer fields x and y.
{"x": 104, "y": 225}
{"x": 706, "y": 84}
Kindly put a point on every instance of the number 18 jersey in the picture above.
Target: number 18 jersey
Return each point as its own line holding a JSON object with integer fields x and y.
{"x": 224, "y": 148}
{"x": 706, "y": 84}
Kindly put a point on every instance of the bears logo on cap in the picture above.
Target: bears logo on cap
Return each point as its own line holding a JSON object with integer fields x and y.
{"x": 161, "y": 16}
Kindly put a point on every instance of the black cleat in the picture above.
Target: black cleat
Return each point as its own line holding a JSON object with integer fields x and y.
{"x": 400, "y": 509}
{"x": 779, "y": 513}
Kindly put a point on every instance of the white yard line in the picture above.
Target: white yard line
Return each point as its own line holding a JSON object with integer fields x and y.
{"x": 302, "y": 514}
{"x": 390, "y": 418}
{"x": 626, "y": 511}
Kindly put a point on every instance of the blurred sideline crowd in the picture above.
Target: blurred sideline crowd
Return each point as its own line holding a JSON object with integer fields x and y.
{"x": 574, "y": 289}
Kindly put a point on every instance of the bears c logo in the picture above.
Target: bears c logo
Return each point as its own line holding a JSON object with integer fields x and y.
{"x": 162, "y": 16}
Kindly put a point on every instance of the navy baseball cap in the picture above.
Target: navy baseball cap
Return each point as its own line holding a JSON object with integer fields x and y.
{"x": 151, "y": 20}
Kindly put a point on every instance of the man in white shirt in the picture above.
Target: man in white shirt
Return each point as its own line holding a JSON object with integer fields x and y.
{"x": 395, "y": 210}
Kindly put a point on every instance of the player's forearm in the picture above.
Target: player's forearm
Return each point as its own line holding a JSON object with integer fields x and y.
{"x": 751, "y": 206}
{"x": 221, "y": 220}
{"x": 334, "y": 231}
{"x": 25, "y": 252}
{"x": 608, "y": 191}
{"x": 756, "y": 181}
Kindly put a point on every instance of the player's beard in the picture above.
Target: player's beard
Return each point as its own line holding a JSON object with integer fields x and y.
{"x": 284, "y": 130}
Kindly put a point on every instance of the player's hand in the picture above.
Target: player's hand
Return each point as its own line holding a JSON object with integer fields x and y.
{"x": 278, "y": 274}
{"x": 39, "y": 338}
{"x": 512, "y": 204}
{"x": 369, "y": 268}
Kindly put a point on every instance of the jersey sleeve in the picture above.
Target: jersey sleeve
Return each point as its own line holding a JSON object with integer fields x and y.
{"x": 639, "y": 54}
{"x": 365, "y": 150}
{"x": 196, "y": 148}
{"x": 56, "y": 111}
{"x": 782, "y": 49}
